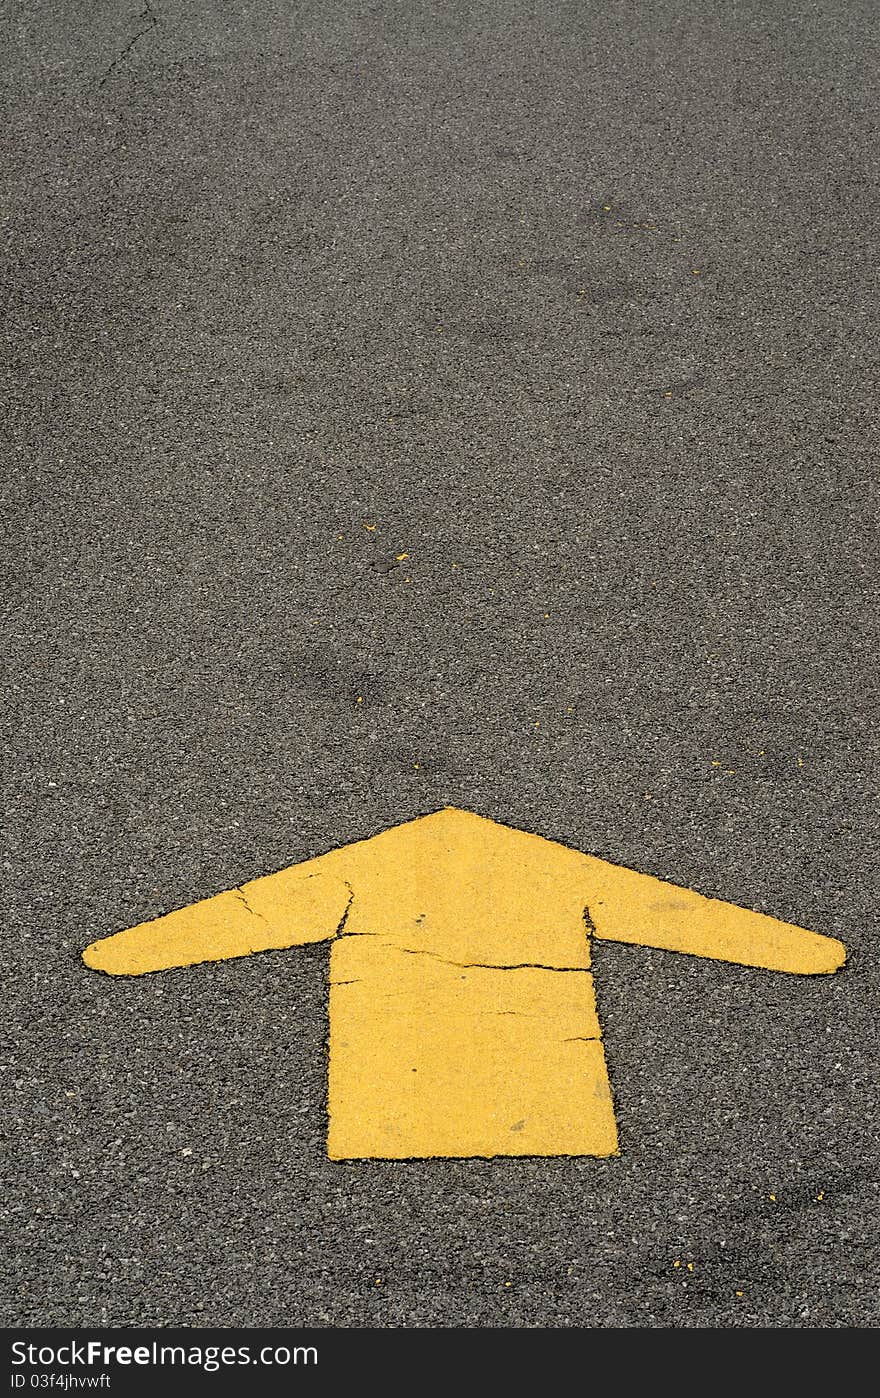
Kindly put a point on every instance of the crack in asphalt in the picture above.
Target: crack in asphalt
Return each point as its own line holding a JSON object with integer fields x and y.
{"x": 147, "y": 13}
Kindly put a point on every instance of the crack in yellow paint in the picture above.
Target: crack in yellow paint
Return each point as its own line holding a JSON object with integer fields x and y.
{"x": 452, "y": 1031}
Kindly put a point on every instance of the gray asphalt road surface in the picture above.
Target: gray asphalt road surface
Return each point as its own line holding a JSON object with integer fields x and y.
{"x": 575, "y": 306}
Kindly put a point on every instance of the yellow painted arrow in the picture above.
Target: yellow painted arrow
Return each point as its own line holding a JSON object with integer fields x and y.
{"x": 462, "y": 1015}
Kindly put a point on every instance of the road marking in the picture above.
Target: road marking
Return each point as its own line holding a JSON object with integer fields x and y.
{"x": 462, "y": 1015}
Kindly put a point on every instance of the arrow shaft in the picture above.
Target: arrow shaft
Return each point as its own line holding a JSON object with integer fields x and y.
{"x": 433, "y": 1058}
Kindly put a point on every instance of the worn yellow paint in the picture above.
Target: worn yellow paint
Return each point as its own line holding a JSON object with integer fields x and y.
{"x": 462, "y": 1015}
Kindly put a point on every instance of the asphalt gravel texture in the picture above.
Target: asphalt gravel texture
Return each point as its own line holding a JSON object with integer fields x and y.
{"x": 410, "y": 405}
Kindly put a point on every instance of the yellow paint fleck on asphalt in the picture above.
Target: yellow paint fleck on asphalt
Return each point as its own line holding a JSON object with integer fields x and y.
{"x": 773, "y": 1198}
{"x": 370, "y": 528}
{"x": 462, "y": 1013}
{"x": 401, "y": 557}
